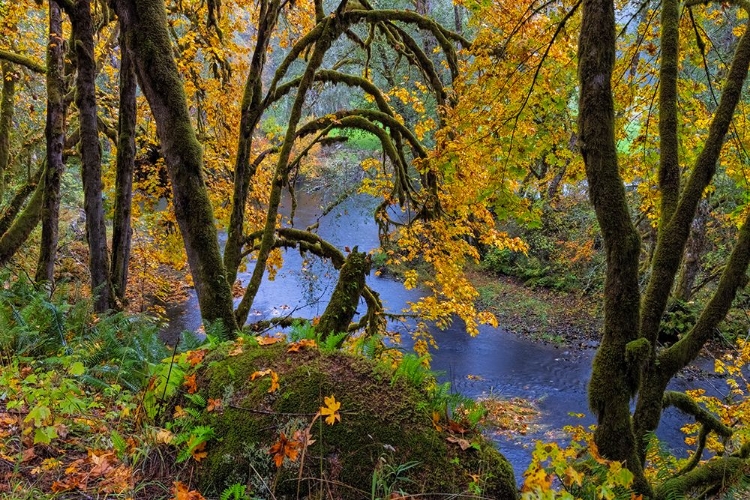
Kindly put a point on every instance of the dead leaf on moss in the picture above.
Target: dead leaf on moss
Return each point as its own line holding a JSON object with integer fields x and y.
{"x": 462, "y": 443}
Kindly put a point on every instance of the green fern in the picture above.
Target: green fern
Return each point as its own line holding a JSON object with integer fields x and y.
{"x": 302, "y": 330}
{"x": 332, "y": 342}
{"x": 235, "y": 492}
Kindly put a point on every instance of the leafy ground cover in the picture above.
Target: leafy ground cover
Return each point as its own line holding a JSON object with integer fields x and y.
{"x": 96, "y": 407}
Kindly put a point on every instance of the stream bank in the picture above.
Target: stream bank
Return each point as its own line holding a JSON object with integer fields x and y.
{"x": 496, "y": 362}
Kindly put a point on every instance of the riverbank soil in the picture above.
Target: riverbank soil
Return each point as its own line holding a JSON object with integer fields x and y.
{"x": 565, "y": 318}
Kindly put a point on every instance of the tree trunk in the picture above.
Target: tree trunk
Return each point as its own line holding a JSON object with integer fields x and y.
{"x": 12, "y": 239}
{"x": 147, "y": 38}
{"x": 121, "y": 230}
{"x": 693, "y": 252}
{"x": 91, "y": 162}
{"x": 7, "y": 108}
{"x": 55, "y": 137}
{"x": 343, "y": 305}
{"x": 251, "y": 112}
{"x": 613, "y": 380}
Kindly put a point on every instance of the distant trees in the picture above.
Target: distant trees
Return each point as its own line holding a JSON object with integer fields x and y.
{"x": 182, "y": 56}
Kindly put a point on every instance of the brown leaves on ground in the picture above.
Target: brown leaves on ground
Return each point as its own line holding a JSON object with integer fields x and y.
{"x": 100, "y": 468}
{"x": 190, "y": 384}
{"x": 509, "y": 417}
{"x": 296, "y": 346}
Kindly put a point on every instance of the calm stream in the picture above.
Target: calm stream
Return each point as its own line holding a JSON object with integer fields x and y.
{"x": 500, "y": 362}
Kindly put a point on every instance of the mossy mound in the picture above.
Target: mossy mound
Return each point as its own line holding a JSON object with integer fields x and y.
{"x": 384, "y": 427}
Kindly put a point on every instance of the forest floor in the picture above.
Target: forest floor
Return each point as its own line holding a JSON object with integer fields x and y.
{"x": 565, "y": 318}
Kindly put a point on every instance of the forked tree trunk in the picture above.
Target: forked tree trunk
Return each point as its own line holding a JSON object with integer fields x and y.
{"x": 147, "y": 38}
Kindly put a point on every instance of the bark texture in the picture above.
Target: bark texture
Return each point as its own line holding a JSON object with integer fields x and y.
{"x": 343, "y": 305}
{"x": 147, "y": 38}
{"x": 121, "y": 227}
{"x": 90, "y": 150}
{"x": 22, "y": 226}
{"x": 252, "y": 110}
{"x": 613, "y": 381}
{"x": 7, "y": 108}
{"x": 55, "y": 137}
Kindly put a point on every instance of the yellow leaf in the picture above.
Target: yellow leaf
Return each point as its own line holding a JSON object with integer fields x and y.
{"x": 330, "y": 410}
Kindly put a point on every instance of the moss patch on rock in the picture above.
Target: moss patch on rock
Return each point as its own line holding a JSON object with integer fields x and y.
{"x": 384, "y": 425}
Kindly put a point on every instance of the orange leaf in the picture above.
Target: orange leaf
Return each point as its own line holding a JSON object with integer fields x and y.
{"x": 189, "y": 382}
{"x": 259, "y": 374}
{"x": 274, "y": 382}
{"x": 274, "y": 378}
{"x": 195, "y": 357}
{"x": 199, "y": 453}
{"x": 284, "y": 448}
{"x": 268, "y": 340}
{"x": 330, "y": 410}
{"x": 296, "y": 346}
{"x": 238, "y": 348}
{"x": 183, "y": 492}
{"x": 213, "y": 404}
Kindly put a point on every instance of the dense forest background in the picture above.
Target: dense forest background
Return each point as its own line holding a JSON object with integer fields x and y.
{"x": 590, "y": 151}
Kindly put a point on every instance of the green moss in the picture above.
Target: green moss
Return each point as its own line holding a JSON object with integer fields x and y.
{"x": 382, "y": 425}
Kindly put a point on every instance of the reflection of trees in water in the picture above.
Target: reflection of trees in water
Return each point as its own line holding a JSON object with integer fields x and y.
{"x": 316, "y": 280}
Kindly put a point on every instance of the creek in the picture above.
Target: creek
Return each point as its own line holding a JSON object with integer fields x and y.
{"x": 500, "y": 363}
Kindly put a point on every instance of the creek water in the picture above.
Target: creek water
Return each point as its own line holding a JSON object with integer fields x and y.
{"x": 500, "y": 363}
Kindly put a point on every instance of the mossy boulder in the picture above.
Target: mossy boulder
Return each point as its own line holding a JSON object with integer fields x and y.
{"x": 384, "y": 427}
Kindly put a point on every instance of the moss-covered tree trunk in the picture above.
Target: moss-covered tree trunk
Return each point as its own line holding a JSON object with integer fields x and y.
{"x": 613, "y": 383}
{"x": 7, "y": 108}
{"x": 121, "y": 229}
{"x": 147, "y": 38}
{"x": 90, "y": 150}
{"x": 55, "y": 138}
{"x": 627, "y": 362}
{"x": 252, "y": 110}
{"x": 322, "y": 37}
{"x": 345, "y": 298}
{"x": 22, "y": 226}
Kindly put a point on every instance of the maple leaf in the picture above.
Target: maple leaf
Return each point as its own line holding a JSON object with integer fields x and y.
{"x": 195, "y": 357}
{"x": 284, "y": 448}
{"x": 213, "y": 404}
{"x": 190, "y": 383}
{"x": 268, "y": 340}
{"x": 462, "y": 443}
{"x": 238, "y": 348}
{"x": 296, "y": 346}
{"x": 259, "y": 373}
{"x": 330, "y": 410}
{"x": 183, "y": 492}
{"x": 164, "y": 436}
{"x": 274, "y": 378}
{"x": 199, "y": 452}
